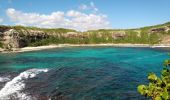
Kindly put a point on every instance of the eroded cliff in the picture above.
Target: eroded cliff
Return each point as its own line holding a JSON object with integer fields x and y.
{"x": 12, "y": 37}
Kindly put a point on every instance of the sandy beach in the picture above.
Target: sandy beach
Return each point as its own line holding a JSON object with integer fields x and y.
{"x": 26, "y": 49}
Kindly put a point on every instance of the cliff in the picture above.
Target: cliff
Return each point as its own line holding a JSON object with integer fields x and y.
{"x": 12, "y": 37}
{"x": 19, "y": 36}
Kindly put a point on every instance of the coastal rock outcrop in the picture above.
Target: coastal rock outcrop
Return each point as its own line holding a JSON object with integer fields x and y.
{"x": 161, "y": 29}
{"x": 10, "y": 39}
{"x": 118, "y": 35}
{"x": 13, "y": 39}
{"x": 75, "y": 35}
{"x": 166, "y": 40}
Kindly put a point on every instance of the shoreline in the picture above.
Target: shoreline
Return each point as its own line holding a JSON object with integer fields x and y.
{"x": 27, "y": 49}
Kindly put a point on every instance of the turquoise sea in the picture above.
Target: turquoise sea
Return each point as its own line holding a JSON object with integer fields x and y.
{"x": 78, "y": 73}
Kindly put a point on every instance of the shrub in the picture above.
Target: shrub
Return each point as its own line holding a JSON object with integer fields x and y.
{"x": 158, "y": 87}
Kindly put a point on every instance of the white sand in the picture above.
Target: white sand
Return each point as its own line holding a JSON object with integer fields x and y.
{"x": 26, "y": 49}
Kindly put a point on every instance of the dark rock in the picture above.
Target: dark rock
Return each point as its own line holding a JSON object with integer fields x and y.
{"x": 157, "y": 30}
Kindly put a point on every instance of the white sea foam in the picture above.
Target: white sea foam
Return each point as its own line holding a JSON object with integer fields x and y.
{"x": 4, "y": 79}
{"x": 12, "y": 89}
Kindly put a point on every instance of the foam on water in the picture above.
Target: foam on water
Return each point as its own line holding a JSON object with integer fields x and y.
{"x": 4, "y": 79}
{"x": 12, "y": 89}
{"x": 79, "y": 73}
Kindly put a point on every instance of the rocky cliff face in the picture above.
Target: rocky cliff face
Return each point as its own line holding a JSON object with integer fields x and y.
{"x": 161, "y": 29}
{"x": 18, "y": 37}
{"x": 11, "y": 38}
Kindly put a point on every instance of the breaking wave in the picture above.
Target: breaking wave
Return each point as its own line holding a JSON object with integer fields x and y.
{"x": 4, "y": 79}
{"x": 12, "y": 89}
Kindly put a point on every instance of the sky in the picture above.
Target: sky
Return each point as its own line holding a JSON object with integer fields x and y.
{"x": 84, "y": 14}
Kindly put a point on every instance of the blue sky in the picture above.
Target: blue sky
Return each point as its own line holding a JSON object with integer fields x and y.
{"x": 84, "y": 14}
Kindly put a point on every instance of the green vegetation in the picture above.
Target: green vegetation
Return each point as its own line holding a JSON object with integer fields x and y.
{"x": 105, "y": 37}
{"x": 50, "y": 30}
{"x": 158, "y": 87}
{"x": 59, "y": 35}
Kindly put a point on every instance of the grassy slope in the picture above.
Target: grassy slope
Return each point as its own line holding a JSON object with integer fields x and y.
{"x": 139, "y": 35}
{"x": 132, "y": 37}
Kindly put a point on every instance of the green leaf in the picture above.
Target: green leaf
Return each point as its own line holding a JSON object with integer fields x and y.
{"x": 165, "y": 95}
{"x": 164, "y": 72}
{"x": 158, "y": 98}
{"x": 142, "y": 89}
{"x": 166, "y": 63}
{"x": 152, "y": 77}
{"x": 158, "y": 88}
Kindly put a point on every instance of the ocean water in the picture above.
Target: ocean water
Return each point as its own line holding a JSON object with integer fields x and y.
{"x": 78, "y": 73}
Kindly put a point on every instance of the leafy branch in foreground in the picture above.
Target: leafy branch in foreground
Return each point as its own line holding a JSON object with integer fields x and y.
{"x": 158, "y": 88}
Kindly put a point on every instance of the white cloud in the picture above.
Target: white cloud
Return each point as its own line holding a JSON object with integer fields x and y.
{"x": 1, "y": 20}
{"x": 91, "y": 6}
{"x": 73, "y": 13}
{"x": 70, "y": 19}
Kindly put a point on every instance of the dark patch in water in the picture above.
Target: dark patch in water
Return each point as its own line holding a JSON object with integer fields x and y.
{"x": 70, "y": 83}
{"x": 81, "y": 73}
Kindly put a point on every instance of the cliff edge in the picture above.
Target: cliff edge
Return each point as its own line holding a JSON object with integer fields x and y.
{"x": 12, "y": 37}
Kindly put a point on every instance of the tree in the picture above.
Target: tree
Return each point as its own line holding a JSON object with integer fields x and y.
{"x": 158, "y": 87}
